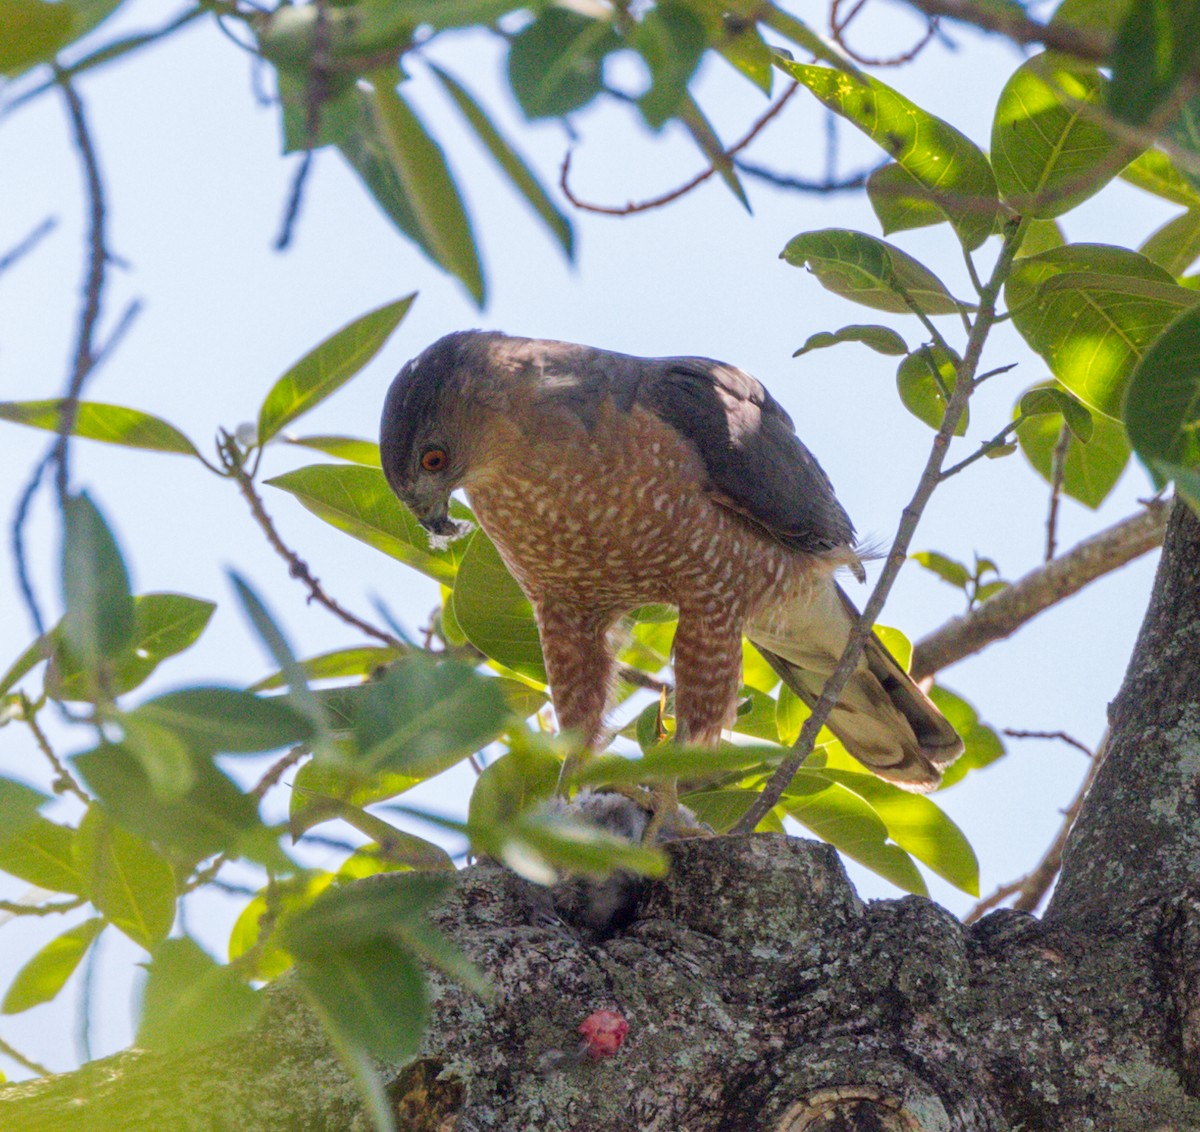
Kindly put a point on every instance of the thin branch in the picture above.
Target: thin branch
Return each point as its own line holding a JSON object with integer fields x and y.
{"x": 826, "y": 186}
{"x": 297, "y": 567}
{"x": 277, "y": 770}
{"x": 838, "y": 28}
{"x": 16, "y": 908}
{"x": 988, "y": 446}
{"x": 667, "y": 198}
{"x": 1061, "y": 736}
{"x": 1058, "y": 470}
{"x": 64, "y": 781}
{"x": 14, "y": 255}
{"x": 1004, "y": 614}
{"x": 803, "y": 747}
{"x": 1006, "y": 20}
{"x": 23, "y": 1061}
{"x": 295, "y": 197}
{"x": 1032, "y": 888}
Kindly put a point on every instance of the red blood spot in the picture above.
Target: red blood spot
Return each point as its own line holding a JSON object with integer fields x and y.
{"x": 603, "y": 1031}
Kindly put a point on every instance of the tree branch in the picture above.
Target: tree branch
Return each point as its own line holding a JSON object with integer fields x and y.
{"x": 1006, "y": 20}
{"x": 1004, "y": 614}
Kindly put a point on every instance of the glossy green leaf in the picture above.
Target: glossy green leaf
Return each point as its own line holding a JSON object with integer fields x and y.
{"x": 981, "y": 745}
{"x": 511, "y": 162}
{"x": 47, "y": 972}
{"x": 363, "y": 660}
{"x": 358, "y": 501}
{"x": 112, "y": 424}
{"x": 1176, "y": 245}
{"x": 427, "y": 715}
{"x": 897, "y": 642}
{"x": 31, "y": 32}
{"x": 946, "y": 163}
{"x": 99, "y": 621}
{"x": 1157, "y": 44}
{"x": 868, "y": 271}
{"x": 128, "y": 880}
{"x": 429, "y": 186}
{"x": 919, "y": 827}
{"x": 881, "y": 339}
{"x": 671, "y": 38}
{"x": 213, "y": 816}
{"x": 1090, "y": 470}
{"x": 44, "y": 854}
{"x": 493, "y": 612}
{"x": 1162, "y": 407}
{"x": 926, "y": 380}
{"x": 900, "y": 201}
{"x": 227, "y": 720}
{"x": 191, "y": 1000}
{"x": 19, "y": 805}
{"x": 850, "y": 824}
{"x": 1048, "y": 151}
{"x": 1050, "y": 398}
{"x": 328, "y": 367}
{"x": 948, "y": 569}
{"x": 1156, "y": 173}
{"x": 349, "y": 448}
{"x": 555, "y": 65}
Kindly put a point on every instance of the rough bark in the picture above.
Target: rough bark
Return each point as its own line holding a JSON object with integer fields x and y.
{"x": 761, "y": 994}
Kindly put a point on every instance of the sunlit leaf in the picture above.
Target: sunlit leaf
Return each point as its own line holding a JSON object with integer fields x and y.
{"x": 1176, "y": 245}
{"x": 900, "y": 201}
{"x": 362, "y": 660}
{"x": 19, "y": 805}
{"x": 42, "y": 853}
{"x": 288, "y": 896}
{"x": 350, "y": 448}
{"x": 1051, "y": 398}
{"x": 981, "y": 745}
{"x": 328, "y": 367}
{"x": 113, "y": 424}
{"x": 47, "y": 972}
{"x": 1156, "y": 173}
{"x": 948, "y": 569}
{"x": 31, "y": 32}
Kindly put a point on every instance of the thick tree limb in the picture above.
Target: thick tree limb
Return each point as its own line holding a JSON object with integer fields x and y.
{"x": 1004, "y": 614}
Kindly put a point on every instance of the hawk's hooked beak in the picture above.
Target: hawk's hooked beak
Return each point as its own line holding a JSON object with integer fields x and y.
{"x": 436, "y": 520}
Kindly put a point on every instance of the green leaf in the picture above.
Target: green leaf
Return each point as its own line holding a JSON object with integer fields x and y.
{"x": 511, "y": 785}
{"x": 948, "y": 569}
{"x": 164, "y": 625}
{"x": 19, "y": 805}
{"x": 128, "y": 880}
{"x": 756, "y": 716}
{"x": 327, "y": 368}
{"x": 227, "y": 720}
{"x": 1102, "y": 16}
{"x": 671, "y": 38}
{"x": 47, "y": 972}
{"x": 358, "y": 501}
{"x": 31, "y": 32}
{"x": 493, "y": 612}
{"x": 44, "y": 854}
{"x": 1048, "y": 150}
{"x": 868, "y": 271}
{"x": 1156, "y": 45}
{"x": 849, "y": 823}
{"x": 746, "y": 51}
{"x": 943, "y": 161}
{"x": 897, "y": 643}
{"x": 919, "y": 827}
{"x": 981, "y": 745}
{"x": 315, "y": 782}
{"x": 900, "y": 201}
{"x": 1041, "y": 236}
{"x": 99, "y": 622}
{"x": 1176, "y": 245}
{"x": 429, "y": 185}
{"x": 926, "y": 380}
{"x": 1162, "y": 406}
{"x": 288, "y": 897}
{"x": 163, "y": 754}
{"x": 363, "y": 660}
{"x": 191, "y": 1000}
{"x": 1050, "y": 398}
{"x": 556, "y": 64}
{"x": 395, "y": 846}
{"x": 356, "y": 451}
{"x": 1156, "y": 173}
{"x": 1091, "y": 469}
{"x": 705, "y": 137}
{"x": 511, "y": 162}
{"x": 669, "y": 761}
{"x": 1091, "y": 310}
{"x": 881, "y": 339}
{"x": 112, "y": 424}
{"x": 213, "y": 816}
{"x": 425, "y": 716}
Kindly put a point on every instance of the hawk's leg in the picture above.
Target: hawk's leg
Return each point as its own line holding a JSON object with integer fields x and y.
{"x": 708, "y": 673}
{"x": 579, "y": 664}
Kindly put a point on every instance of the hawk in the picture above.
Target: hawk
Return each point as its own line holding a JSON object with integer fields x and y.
{"x": 609, "y": 482}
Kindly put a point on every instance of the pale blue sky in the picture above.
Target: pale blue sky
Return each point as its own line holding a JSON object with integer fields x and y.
{"x": 196, "y": 190}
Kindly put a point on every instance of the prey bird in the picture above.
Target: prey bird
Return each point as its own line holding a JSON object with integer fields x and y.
{"x": 609, "y": 482}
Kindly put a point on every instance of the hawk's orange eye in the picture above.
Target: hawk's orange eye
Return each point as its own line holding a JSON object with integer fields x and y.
{"x": 434, "y": 460}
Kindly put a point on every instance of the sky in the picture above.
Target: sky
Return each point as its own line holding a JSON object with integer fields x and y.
{"x": 195, "y": 191}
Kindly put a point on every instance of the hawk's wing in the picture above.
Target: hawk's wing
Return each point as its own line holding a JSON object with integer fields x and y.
{"x": 749, "y": 446}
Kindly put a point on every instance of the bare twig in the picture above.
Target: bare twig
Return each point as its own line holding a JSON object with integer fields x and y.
{"x": 803, "y": 747}
{"x": 24, "y": 1062}
{"x": 1006, "y": 20}
{"x": 64, "y": 781}
{"x": 1058, "y": 470}
{"x": 16, "y": 254}
{"x": 838, "y": 26}
{"x": 16, "y": 908}
{"x": 1062, "y": 736}
{"x": 667, "y": 198}
{"x": 295, "y": 196}
{"x": 277, "y": 770}
{"x": 1004, "y": 614}
{"x": 297, "y": 567}
{"x": 1031, "y": 889}
{"x": 826, "y": 186}
{"x": 987, "y": 447}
